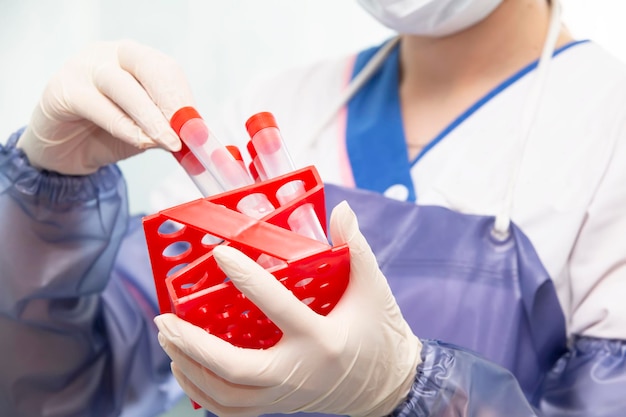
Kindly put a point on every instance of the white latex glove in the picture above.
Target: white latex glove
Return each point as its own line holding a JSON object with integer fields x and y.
{"x": 111, "y": 101}
{"x": 359, "y": 360}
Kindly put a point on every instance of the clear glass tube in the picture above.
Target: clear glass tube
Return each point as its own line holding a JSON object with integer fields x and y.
{"x": 268, "y": 149}
{"x": 215, "y": 167}
{"x": 206, "y": 183}
{"x": 229, "y": 173}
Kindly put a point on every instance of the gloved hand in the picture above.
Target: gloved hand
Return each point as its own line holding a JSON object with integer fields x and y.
{"x": 358, "y": 360}
{"x": 113, "y": 100}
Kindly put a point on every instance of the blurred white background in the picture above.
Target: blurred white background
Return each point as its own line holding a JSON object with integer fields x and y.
{"x": 220, "y": 44}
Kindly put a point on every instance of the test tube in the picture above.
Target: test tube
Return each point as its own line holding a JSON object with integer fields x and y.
{"x": 215, "y": 168}
{"x": 206, "y": 183}
{"x": 268, "y": 148}
{"x": 256, "y": 163}
{"x": 234, "y": 151}
{"x": 218, "y": 161}
{"x": 254, "y": 172}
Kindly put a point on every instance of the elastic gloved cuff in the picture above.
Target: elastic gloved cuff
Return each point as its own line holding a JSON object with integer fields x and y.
{"x": 413, "y": 405}
{"x": 46, "y": 186}
{"x": 454, "y": 381}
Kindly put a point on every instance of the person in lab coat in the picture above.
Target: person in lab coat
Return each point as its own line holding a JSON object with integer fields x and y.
{"x": 483, "y": 152}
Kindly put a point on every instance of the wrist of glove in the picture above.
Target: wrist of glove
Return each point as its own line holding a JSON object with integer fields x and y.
{"x": 359, "y": 360}
{"x": 111, "y": 101}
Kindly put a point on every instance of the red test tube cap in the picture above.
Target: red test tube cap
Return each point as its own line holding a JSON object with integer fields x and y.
{"x": 260, "y": 121}
{"x": 253, "y": 171}
{"x": 251, "y": 150}
{"x": 184, "y": 150}
{"x": 234, "y": 151}
{"x": 182, "y": 116}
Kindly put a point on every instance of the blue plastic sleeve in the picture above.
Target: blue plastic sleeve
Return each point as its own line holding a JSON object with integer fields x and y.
{"x": 590, "y": 380}
{"x": 454, "y": 382}
{"x": 76, "y": 306}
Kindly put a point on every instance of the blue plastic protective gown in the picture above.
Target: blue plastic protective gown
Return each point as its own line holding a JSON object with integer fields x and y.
{"x": 78, "y": 339}
{"x": 76, "y": 305}
{"x": 588, "y": 381}
{"x": 494, "y": 300}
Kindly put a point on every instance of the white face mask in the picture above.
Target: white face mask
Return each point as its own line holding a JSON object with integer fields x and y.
{"x": 429, "y": 17}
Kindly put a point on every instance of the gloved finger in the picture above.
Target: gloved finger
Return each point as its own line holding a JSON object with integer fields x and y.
{"x": 206, "y": 401}
{"x": 111, "y": 118}
{"x": 124, "y": 90}
{"x": 105, "y": 149}
{"x": 225, "y": 392}
{"x": 236, "y": 365}
{"x": 266, "y": 292}
{"x": 344, "y": 229}
{"x": 159, "y": 74}
{"x": 101, "y": 150}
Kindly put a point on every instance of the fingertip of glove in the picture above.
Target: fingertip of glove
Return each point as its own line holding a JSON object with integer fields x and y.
{"x": 158, "y": 320}
{"x": 225, "y": 253}
{"x": 165, "y": 324}
{"x": 230, "y": 260}
{"x": 344, "y": 208}
{"x": 170, "y": 141}
{"x": 343, "y": 222}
